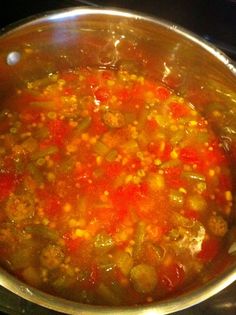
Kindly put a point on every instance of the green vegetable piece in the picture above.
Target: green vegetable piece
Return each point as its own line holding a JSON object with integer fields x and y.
{"x": 156, "y": 182}
{"x": 176, "y": 198}
{"x": 139, "y": 240}
{"x": 125, "y": 262}
{"x": 193, "y": 176}
{"x": 111, "y": 156}
{"x": 177, "y": 137}
{"x": 46, "y": 105}
{"x": 51, "y": 256}
{"x": 100, "y": 148}
{"x": 144, "y": 278}
{"x": 20, "y": 207}
{"x": 108, "y": 295}
{"x": 35, "y": 173}
{"x": 67, "y": 165}
{"x": 41, "y": 133}
{"x": 22, "y": 258}
{"x": 48, "y": 151}
{"x": 130, "y": 146}
{"x": 103, "y": 242}
{"x": 197, "y": 203}
{"x": 32, "y": 276}
{"x": 42, "y": 232}
{"x": 83, "y": 124}
{"x": 30, "y": 145}
{"x": 170, "y": 163}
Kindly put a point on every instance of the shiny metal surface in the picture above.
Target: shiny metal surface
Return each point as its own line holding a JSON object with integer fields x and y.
{"x": 166, "y": 52}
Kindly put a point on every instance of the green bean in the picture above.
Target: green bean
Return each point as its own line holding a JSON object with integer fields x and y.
{"x": 83, "y": 124}
{"x": 170, "y": 163}
{"x": 107, "y": 294}
{"x": 177, "y": 137}
{"x": 112, "y": 155}
{"x": 67, "y": 165}
{"x": 130, "y": 146}
{"x": 30, "y": 145}
{"x": 35, "y": 173}
{"x": 100, "y": 148}
{"x": 41, "y": 133}
{"x": 194, "y": 176}
{"x": 42, "y": 231}
{"x": 47, "y": 151}
{"x": 139, "y": 239}
{"x": 43, "y": 104}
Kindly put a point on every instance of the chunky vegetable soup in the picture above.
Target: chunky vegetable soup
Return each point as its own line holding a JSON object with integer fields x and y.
{"x": 113, "y": 189}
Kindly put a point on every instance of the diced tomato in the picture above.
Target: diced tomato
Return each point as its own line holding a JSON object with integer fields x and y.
{"x": 171, "y": 276}
{"x": 30, "y": 116}
{"x": 113, "y": 169}
{"x": 210, "y": 248}
{"x": 161, "y": 149}
{"x": 128, "y": 194}
{"x": 162, "y": 93}
{"x": 59, "y": 130}
{"x": 52, "y": 205}
{"x": 178, "y": 110}
{"x": 68, "y": 91}
{"x": 189, "y": 155}
{"x": 92, "y": 80}
{"x": 191, "y": 214}
{"x": 107, "y": 75}
{"x": 69, "y": 76}
{"x": 214, "y": 153}
{"x": 173, "y": 177}
{"x": 133, "y": 165}
{"x": 7, "y": 185}
{"x": 97, "y": 126}
{"x": 225, "y": 182}
{"x": 102, "y": 94}
{"x": 123, "y": 94}
{"x": 151, "y": 125}
{"x": 72, "y": 245}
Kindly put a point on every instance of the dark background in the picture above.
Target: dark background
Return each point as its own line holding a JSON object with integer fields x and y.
{"x": 214, "y": 20}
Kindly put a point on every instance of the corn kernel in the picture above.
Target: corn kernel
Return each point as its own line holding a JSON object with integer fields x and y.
{"x": 99, "y": 160}
{"x": 182, "y": 190}
{"x": 228, "y": 195}
{"x": 110, "y": 82}
{"x": 174, "y": 154}
{"x": 157, "y": 162}
{"x": 211, "y": 173}
{"x": 82, "y": 233}
{"x": 85, "y": 136}
{"x": 193, "y": 123}
{"x": 67, "y": 207}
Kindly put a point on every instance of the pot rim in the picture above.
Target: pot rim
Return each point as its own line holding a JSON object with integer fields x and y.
{"x": 167, "y": 306}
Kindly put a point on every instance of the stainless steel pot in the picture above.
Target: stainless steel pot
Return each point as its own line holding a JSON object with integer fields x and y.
{"x": 107, "y": 38}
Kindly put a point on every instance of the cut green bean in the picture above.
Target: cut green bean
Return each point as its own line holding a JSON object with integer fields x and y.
{"x": 47, "y": 151}
{"x": 194, "y": 176}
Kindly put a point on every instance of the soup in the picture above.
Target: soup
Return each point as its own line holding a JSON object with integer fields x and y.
{"x": 114, "y": 190}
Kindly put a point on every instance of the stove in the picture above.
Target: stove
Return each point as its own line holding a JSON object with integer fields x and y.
{"x": 215, "y": 21}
